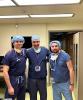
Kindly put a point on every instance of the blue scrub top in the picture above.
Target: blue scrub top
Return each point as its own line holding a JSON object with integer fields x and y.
{"x": 39, "y": 59}
{"x": 60, "y": 72}
{"x": 16, "y": 62}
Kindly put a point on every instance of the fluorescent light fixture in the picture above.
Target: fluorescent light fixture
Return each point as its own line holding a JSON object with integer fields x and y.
{"x": 52, "y": 15}
{"x": 6, "y": 3}
{"x": 14, "y": 16}
{"x": 45, "y": 2}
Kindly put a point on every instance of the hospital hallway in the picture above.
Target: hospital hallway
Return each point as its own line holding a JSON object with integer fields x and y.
{"x": 50, "y": 20}
{"x": 71, "y": 43}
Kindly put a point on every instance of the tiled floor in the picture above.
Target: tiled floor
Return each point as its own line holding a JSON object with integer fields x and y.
{"x": 49, "y": 94}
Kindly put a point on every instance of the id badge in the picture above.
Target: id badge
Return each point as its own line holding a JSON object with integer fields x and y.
{"x": 37, "y": 68}
{"x": 52, "y": 80}
{"x": 52, "y": 69}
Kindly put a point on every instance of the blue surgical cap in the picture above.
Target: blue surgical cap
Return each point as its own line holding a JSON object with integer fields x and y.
{"x": 17, "y": 38}
{"x": 57, "y": 42}
{"x": 35, "y": 38}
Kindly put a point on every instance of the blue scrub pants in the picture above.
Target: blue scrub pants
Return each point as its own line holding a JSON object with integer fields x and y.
{"x": 37, "y": 85}
{"x": 60, "y": 89}
{"x": 19, "y": 89}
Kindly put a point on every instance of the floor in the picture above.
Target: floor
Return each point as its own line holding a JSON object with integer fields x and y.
{"x": 49, "y": 94}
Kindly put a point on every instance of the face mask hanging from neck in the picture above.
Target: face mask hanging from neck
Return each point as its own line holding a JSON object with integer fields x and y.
{"x": 54, "y": 57}
{"x": 37, "y": 50}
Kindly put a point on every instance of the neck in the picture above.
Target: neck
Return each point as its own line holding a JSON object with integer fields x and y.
{"x": 36, "y": 48}
{"x": 18, "y": 50}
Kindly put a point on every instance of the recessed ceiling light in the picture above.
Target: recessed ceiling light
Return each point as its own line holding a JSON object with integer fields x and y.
{"x": 45, "y": 2}
{"x": 52, "y": 15}
{"x": 6, "y": 3}
{"x": 15, "y": 16}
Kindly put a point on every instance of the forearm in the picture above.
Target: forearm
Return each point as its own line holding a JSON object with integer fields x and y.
{"x": 7, "y": 79}
{"x": 72, "y": 76}
{"x": 71, "y": 71}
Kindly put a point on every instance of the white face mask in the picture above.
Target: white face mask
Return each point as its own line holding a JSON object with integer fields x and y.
{"x": 54, "y": 57}
{"x": 18, "y": 50}
{"x": 37, "y": 50}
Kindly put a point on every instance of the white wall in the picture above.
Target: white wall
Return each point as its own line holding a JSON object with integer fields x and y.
{"x": 8, "y": 30}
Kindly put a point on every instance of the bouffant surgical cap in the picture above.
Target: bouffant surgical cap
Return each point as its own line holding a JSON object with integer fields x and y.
{"x": 35, "y": 38}
{"x": 57, "y": 42}
{"x": 17, "y": 38}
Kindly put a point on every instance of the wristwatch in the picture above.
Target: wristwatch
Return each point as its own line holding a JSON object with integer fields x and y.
{"x": 71, "y": 84}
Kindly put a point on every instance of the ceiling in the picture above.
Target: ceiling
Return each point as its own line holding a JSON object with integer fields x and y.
{"x": 77, "y": 9}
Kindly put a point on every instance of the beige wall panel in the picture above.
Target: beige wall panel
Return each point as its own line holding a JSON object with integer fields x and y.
{"x": 80, "y": 81}
{"x": 65, "y": 27}
{"x": 8, "y": 30}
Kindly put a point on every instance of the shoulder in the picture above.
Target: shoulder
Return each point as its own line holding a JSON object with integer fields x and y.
{"x": 9, "y": 53}
{"x": 44, "y": 48}
{"x": 30, "y": 49}
{"x": 62, "y": 52}
{"x": 65, "y": 55}
{"x": 8, "y": 56}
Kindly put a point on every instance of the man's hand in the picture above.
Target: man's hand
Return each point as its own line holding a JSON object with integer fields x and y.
{"x": 11, "y": 90}
{"x": 71, "y": 87}
{"x": 7, "y": 79}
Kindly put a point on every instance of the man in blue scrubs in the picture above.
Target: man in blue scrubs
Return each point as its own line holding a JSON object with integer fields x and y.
{"x": 37, "y": 69}
{"x": 14, "y": 64}
{"x": 62, "y": 72}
